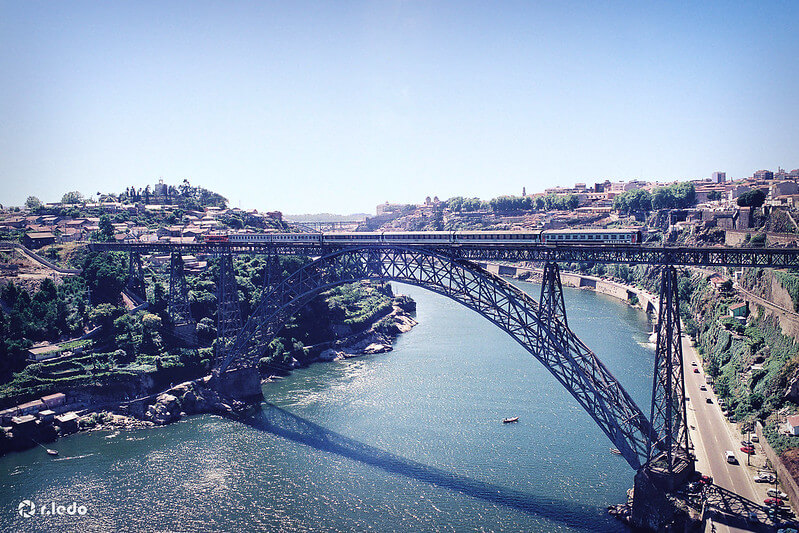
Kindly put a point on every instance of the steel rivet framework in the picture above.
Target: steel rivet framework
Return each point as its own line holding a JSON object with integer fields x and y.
{"x": 539, "y": 330}
{"x": 178, "y": 305}
{"x": 136, "y": 276}
{"x": 669, "y": 416}
{"x": 228, "y": 310}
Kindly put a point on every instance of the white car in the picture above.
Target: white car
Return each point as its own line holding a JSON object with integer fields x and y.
{"x": 774, "y": 493}
{"x": 764, "y": 477}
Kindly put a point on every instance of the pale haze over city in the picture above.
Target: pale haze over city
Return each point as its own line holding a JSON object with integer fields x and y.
{"x": 327, "y": 106}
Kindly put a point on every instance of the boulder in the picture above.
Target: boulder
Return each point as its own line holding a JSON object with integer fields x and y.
{"x": 376, "y": 347}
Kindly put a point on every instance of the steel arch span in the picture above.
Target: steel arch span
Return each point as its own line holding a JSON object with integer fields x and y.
{"x": 539, "y": 331}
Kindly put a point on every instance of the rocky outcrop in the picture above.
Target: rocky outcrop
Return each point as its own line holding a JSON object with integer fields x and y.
{"x": 190, "y": 398}
{"x": 377, "y": 339}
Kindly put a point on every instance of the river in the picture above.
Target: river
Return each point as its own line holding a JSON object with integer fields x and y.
{"x": 410, "y": 440}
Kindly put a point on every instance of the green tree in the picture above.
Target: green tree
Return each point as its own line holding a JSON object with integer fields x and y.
{"x": 105, "y": 275}
{"x": 33, "y": 203}
{"x": 106, "y": 233}
{"x": 72, "y": 197}
{"x": 753, "y": 198}
{"x": 662, "y": 198}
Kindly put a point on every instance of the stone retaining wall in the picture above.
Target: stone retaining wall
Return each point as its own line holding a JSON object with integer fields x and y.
{"x": 787, "y": 482}
{"x": 570, "y": 279}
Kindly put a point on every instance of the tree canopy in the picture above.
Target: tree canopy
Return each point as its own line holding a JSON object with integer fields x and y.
{"x": 753, "y": 198}
{"x": 635, "y": 200}
{"x": 72, "y": 197}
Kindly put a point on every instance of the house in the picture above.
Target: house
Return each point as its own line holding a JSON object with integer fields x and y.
{"x": 24, "y": 424}
{"x": 67, "y": 423}
{"x": 7, "y": 414}
{"x": 717, "y": 280}
{"x": 792, "y": 424}
{"x": 739, "y": 310}
{"x": 30, "y": 408}
{"x": 54, "y": 400}
{"x": 38, "y": 239}
{"x": 71, "y": 235}
{"x": 43, "y": 353}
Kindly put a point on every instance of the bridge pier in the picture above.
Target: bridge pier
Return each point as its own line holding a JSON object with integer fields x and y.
{"x": 178, "y": 305}
{"x": 136, "y": 276}
{"x": 670, "y": 462}
{"x": 228, "y": 311}
{"x": 669, "y": 417}
{"x": 240, "y": 384}
{"x": 553, "y": 306}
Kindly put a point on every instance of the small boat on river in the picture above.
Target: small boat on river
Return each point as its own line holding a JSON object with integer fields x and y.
{"x": 52, "y": 452}
{"x": 615, "y": 450}
{"x": 510, "y": 420}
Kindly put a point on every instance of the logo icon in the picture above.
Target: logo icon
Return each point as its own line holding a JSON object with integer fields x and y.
{"x": 26, "y": 508}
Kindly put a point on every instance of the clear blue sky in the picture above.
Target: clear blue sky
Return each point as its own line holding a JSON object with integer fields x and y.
{"x": 339, "y": 106}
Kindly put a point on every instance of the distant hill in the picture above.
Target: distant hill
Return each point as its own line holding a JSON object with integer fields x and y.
{"x": 325, "y": 217}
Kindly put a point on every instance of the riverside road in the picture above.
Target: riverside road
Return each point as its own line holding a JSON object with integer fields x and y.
{"x": 712, "y": 436}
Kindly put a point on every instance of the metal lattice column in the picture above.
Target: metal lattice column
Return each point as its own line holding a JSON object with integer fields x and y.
{"x": 669, "y": 417}
{"x": 228, "y": 310}
{"x": 178, "y": 306}
{"x": 543, "y": 335}
{"x": 136, "y": 275}
{"x": 272, "y": 272}
{"x": 553, "y": 307}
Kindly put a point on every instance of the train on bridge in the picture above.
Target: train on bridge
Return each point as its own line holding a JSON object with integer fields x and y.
{"x": 618, "y": 236}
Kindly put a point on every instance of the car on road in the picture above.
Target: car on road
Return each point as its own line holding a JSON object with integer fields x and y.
{"x": 755, "y": 438}
{"x": 764, "y": 477}
{"x": 746, "y": 443}
{"x": 748, "y": 449}
{"x": 774, "y": 493}
{"x": 773, "y": 501}
{"x": 702, "y": 388}
{"x": 708, "y": 400}
{"x": 693, "y": 363}
{"x": 730, "y": 456}
{"x": 696, "y": 370}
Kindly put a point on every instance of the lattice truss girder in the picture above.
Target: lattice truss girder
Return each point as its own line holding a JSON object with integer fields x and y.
{"x": 136, "y": 275}
{"x": 178, "y": 305}
{"x": 668, "y": 415}
{"x": 228, "y": 311}
{"x": 542, "y": 333}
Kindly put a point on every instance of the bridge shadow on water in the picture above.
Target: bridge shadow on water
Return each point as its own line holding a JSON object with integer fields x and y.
{"x": 273, "y": 419}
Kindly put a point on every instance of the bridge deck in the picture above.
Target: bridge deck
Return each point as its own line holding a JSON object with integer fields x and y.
{"x": 630, "y": 254}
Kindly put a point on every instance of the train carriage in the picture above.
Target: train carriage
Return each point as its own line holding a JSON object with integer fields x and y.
{"x": 592, "y": 236}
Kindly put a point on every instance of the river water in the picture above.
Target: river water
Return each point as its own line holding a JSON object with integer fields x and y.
{"x": 411, "y": 440}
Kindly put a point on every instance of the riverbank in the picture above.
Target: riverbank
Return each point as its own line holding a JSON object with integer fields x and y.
{"x": 197, "y": 396}
{"x": 635, "y": 296}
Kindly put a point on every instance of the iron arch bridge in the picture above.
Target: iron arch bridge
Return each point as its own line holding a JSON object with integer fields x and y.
{"x": 541, "y": 328}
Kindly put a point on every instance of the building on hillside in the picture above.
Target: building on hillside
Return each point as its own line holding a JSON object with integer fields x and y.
{"x": 763, "y": 175}
{"x": 792, "y": 424}
{"x": 43, "y": 353}
{"x": 67, "y": 423}
{"x": 38, "y": 239}
{"x": 719, "y": 177}
{"x": 30, "y": 408}
{"x": 739, "y": 310}
{"x": 783, "y": 188}
{"x": 160, "y": 188}
{"x": 54, "y": 400}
